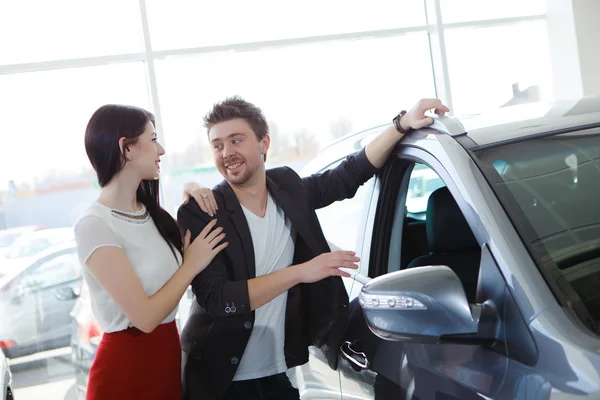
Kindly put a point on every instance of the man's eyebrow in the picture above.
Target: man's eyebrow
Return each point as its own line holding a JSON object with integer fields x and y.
{"x": 228, "y": 137}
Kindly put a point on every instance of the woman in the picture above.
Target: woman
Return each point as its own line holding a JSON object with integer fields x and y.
{"x": 136, "y": 264}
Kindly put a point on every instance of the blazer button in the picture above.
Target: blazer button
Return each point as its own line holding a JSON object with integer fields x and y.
{"x": 234, "y": 360}
{"x": 248, "y": 325}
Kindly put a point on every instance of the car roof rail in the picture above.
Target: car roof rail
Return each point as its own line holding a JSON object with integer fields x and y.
{"x": 448, "y": 125}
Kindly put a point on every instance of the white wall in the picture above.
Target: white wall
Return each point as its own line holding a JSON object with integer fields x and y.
{"x": 587, "y": 27}
{"x": 574, "y": 31}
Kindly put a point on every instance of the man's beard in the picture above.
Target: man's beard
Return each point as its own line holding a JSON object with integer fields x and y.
{"x": 240, "y": 179}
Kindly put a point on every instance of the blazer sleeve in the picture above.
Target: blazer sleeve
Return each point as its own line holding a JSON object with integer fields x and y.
{"x": 214, "y": 290}
{"x": 339, "y": 183}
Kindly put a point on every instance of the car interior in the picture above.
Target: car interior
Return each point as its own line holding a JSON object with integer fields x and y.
{"x": 450, "y": 241}
{"x": 440, "y": 235}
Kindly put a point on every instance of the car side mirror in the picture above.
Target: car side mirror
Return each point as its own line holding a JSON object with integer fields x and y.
{"x": 66, "y": 293}
{"x": 425, "y": 305}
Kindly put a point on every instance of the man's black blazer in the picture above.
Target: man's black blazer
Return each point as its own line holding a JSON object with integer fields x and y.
{"x": 221, "y": 321}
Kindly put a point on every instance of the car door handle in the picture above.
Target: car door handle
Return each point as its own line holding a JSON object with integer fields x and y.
{"x": 357, "y": 359}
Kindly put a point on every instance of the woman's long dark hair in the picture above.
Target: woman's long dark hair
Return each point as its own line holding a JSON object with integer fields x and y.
{"x": 109, "y": 124}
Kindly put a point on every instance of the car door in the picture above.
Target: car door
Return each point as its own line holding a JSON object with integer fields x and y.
{"x": 54, "y": 284}
{"x": 448, "y": 370}
{"x": 343, "y": 225}
{"x": 361, "y": 376}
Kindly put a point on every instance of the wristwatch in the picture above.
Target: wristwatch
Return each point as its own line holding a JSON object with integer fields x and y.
{"x": 396, "y": 121}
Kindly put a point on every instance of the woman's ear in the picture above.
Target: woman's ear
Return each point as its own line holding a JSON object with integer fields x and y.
{"x": 123, "y": 146}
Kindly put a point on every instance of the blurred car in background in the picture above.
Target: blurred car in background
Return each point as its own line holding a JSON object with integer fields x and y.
{"x": 37, "y": 294}
{"x": 31, "y": 243}
{"x": 10, "y": 235}
{"x": 5, "y": 379}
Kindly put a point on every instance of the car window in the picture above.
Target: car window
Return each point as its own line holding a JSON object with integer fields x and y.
{"x": 413, "y": 242}
{"x": 60, "y": 269}
{"x": 33, "y": 243}
{"x": 549, "y": 188}
{"x": 341, "y": 220}
{"x": 28, "y": 248}
{"x": 423, "y": 182}
{"x": 8, "y": 239}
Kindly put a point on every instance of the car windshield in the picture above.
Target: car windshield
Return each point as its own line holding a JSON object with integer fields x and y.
{"x": 7, "y": 239}
{"x": 550, "y": 188}
{"x": 33, "y": 243}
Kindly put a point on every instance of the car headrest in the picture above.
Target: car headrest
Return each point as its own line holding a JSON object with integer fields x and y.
{"x": 447, "y": 228}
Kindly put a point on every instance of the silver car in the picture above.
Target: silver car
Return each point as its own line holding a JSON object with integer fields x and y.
{"x": 480, "y": 261}
{"x": 37, "y": 295}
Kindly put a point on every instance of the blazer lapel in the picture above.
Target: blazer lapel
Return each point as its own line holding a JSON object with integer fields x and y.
{"x": 296, "y": 216}
{"x": 238, "y": 218}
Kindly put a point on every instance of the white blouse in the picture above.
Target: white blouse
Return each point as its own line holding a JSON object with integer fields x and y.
{"x": 148, "y": 253}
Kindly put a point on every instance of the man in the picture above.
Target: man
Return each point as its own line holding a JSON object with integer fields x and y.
{"x": 276, "y": 289}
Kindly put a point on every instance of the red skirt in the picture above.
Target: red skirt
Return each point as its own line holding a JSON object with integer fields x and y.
{"x": 131, "y": 364}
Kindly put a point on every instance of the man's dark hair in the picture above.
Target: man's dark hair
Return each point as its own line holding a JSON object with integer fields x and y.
{"x": 236, "y": 107}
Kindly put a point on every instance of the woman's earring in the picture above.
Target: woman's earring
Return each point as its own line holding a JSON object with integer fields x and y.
{"x": 129, "y": 158}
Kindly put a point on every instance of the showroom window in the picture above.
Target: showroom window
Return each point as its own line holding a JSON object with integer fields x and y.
{"x": 454, "y": 11}
{"x": 34, "y": 31}
{"x": 498, "y": 66}
{"x": 310, "y": 95}
{"x": 318, "y": 70}
{"x": 47, "y": 167}
{"x": 186, "y": 24}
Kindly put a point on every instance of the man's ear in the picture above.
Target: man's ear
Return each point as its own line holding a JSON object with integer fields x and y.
{"x": 266, "y": 143}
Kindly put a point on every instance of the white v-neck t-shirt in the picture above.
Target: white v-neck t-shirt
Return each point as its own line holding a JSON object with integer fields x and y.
{"x": 149, "y": 255}
{"x": 273, "y": 250}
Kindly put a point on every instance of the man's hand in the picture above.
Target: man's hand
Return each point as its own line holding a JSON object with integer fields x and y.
{"x": 416, "y": 119}
{"x": 325, "y": 265}
{"x": 263, "y": 289}
{"x": 203, "y": 196}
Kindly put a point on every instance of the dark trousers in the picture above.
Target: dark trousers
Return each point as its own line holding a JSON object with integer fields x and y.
{"x": 274, "y": 387}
